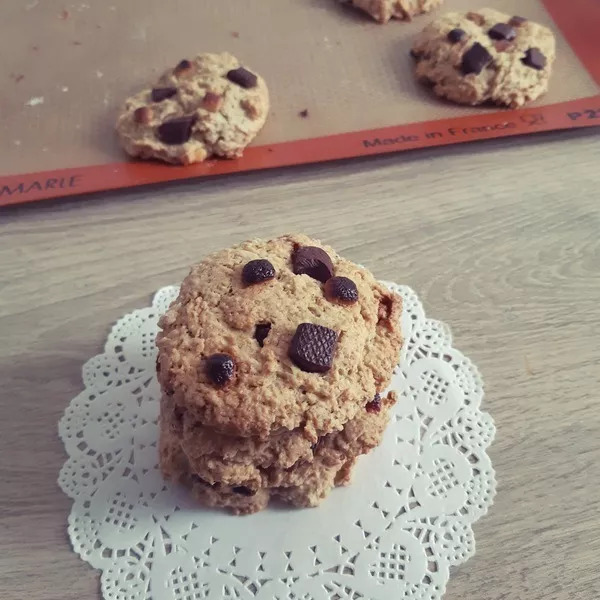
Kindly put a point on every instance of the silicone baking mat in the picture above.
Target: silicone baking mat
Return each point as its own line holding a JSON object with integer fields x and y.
{"x": 341, "y": 84}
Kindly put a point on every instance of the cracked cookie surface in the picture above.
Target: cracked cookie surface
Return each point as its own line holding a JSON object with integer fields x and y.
{"x": 272, "y": 386}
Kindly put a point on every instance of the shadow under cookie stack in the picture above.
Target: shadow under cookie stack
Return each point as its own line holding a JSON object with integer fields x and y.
{"x": 272, "y": 363}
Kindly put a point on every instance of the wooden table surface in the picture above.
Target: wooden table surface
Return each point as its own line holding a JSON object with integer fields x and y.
{"x": 500, "y": 239}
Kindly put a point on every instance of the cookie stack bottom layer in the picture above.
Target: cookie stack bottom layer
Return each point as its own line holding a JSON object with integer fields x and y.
{"x": 303, "y": 484}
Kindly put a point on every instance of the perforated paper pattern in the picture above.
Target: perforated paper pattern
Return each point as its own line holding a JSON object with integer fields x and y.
{"x": 394, "y": 533}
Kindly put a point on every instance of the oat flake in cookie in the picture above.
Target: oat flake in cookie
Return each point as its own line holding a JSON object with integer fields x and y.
{"x": 384, "y": 10}
{"x": 209, "y": 106}
{"x": 485, "y": 56}
{"x": 267, "y": 373}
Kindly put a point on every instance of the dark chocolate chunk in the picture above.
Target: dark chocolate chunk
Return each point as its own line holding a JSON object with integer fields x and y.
{"x": 517, "y": 21}
{"x": 176, "y": 131}
{"x": 502, "y": 31}
{"x": 257, "y": 271}
{"x": 312, "y": 348}
{"x": 261, "y": 332}
{"x": 243, "y": 491}
{"x": 160, "y": 94}
{"x": 312, "y": 261}
{"x": 220, "y": 368}
{"x": 384, "y": 311}
{"x": 374, "y": 406}
{"x": 342, "y": 290}
{"x": 243, "y": 78}
{"x": 456, "y": 35}
{"x": 183, "y": 67}
{"x": 534, "y": 58}
{"x": 475, "y": 59}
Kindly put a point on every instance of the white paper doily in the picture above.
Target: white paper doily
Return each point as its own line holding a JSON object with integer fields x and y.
{"x": 394, "y": 533}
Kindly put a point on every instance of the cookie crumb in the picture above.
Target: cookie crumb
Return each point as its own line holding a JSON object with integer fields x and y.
{"x": 64, "y": 14}
{"x": 235, "y": 34}
{"x": 35, "y": 100}
{"x": 303, "y": 113}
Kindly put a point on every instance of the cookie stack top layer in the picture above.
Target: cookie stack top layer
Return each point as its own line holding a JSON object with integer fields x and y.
{"x": 278, "y": 335}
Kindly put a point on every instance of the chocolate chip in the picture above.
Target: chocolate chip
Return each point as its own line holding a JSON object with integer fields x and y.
{"x": 502, "y": 31}
{"x": 312, "y": 348}
{"x": 384, "y": 311}
{"x": 456, "y": 35}
{"x": 374, "y": 406}
{"x": 220, "y": 368}
{"x": 342, "y": 290}
{"x": 314, "y": 262}
{"x": 476, "y": 18}
{"x": 517, "y": 21}
{"x": 142, "y": 115}
{"x": 534, "y": 59}
{"x": 475, "y": 59}
{"x": 257, "y": 271}
{"x": 261, "y": 332}
{"x": 211, "y": 102}
{"x": 243, "y": 491}
{"x": 176, "y": 131}
{"x": 183, "y": 67}
{"x": 243, "y": 78}
{"x": 160, "y": 94}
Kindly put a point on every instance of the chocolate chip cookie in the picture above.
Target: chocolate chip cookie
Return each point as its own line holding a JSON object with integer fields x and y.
{"x": 251, "y": 349}
{"x": 211, "y": 105}
{"x": 384, "y": 10}
{"x": 271, "y": 364}
{"x": 485, "y": 56}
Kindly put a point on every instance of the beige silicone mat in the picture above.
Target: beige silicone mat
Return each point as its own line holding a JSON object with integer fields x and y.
{"x": 66, "y": 67}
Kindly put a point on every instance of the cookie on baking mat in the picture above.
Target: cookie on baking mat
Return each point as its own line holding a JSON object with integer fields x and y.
{"x": 271, "y": 364}
{"x": 209, "y": 106}
{"x": 384, "y": 10}
{"x": 485, "y": 56}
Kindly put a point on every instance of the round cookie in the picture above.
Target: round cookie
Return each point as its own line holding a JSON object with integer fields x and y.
{"x": 384, "y": 10}
{"x": 485, "y": 56}
{"x": 289, "y": 356}
{"x": 207, "y": 106}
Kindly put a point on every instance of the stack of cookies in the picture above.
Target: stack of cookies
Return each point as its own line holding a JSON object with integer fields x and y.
{"x": 272, "y": 364}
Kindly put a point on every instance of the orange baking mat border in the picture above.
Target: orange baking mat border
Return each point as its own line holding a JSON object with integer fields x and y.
{"x": 579, "y": 20}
